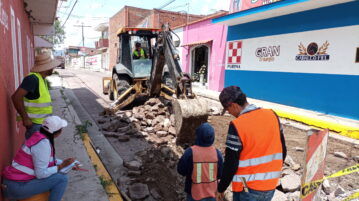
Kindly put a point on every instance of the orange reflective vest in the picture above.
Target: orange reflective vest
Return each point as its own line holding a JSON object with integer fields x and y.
{"x": 261, "y": 159}
{"x": 204, "y": 174}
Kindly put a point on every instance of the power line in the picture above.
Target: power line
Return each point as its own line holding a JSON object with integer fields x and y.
{"x": 69, "y": 14}
{"x": 166, "y": 4}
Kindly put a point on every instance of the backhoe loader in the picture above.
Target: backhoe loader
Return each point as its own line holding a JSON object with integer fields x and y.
{"x": 156, "y": 74}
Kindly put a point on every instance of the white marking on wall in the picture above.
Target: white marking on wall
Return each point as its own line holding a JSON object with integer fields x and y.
{"x": 4, "y": 17}
{"x": 19, "y": 42}
{"x": 28, "y": 53}
{"x": 14, "y": 48}
{"x": 341, "y": 50}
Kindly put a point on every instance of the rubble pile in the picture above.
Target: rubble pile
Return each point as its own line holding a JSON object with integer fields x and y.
{"x": 154, "y": 123}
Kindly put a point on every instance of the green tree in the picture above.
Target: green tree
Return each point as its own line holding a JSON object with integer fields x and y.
{"x": 59, "y": 35}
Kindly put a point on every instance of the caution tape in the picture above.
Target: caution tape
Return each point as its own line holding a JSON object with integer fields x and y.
{"x": 352, "y": 196}
{"x": 314, "y": 185}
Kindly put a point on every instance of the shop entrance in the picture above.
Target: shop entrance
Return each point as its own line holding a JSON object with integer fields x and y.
{"x": 199, "y": 63}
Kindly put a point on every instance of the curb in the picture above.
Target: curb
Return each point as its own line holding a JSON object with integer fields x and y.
{"x": 108, "y": 184}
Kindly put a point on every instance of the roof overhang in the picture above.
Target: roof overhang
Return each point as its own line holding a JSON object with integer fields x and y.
{"x": 43, "y": 29}
{"x": 41, "y": 43}
{"x": 42, "y": 11}
{"x": 276, "y": 9}
{"x": 197, "y": 43}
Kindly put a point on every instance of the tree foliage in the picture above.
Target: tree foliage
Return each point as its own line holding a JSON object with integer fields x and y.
{"x": 59, "y": 35}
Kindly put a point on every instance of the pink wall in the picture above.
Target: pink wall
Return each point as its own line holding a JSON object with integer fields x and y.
{"x": 12, "y": 133}
{"x": 203, "y": 31}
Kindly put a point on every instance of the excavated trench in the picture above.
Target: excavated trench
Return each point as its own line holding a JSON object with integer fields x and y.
{"x": 145, "y": 137}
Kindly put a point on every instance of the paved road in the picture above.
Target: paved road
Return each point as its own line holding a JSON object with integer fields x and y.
{"x": 87, "y": 86}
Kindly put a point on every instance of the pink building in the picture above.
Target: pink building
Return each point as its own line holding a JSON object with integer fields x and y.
{"x": 203, "y": 51}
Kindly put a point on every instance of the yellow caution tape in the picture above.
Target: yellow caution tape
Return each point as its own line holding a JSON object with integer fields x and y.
{"x": 352, "y": 196}
{"x": 348, "y": 131}
{"x": 314, "y": 185}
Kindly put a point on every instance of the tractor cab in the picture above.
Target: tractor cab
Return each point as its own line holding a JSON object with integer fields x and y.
{"x": 135, "y": 52}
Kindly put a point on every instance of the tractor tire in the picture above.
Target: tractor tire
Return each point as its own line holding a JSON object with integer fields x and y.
{"x": 121, "y": 84}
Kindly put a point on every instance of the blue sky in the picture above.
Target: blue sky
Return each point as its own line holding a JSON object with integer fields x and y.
{"x": 94, "y": 12}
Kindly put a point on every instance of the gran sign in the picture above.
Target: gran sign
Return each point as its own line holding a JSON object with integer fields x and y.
{"x": 267, "y": 53}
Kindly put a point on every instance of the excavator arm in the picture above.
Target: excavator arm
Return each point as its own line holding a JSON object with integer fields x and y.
{"x": 189, "y": 110}
{"x": 166, "y": 54}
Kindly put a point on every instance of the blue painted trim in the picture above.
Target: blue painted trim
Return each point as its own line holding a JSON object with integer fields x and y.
{"x": 259, "y": 9}
{"x": 325, "y": 93}
{"x": 346, "y": 14}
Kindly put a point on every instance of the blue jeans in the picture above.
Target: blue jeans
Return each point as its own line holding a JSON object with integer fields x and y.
{"x": 189, "y": 198}
{"x": 253, "y": 195}
{"x": 55, "y": 184}
{"x": 33, "y": 129}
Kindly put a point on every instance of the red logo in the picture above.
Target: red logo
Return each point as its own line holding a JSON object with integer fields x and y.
{"x": 234, "y": 52}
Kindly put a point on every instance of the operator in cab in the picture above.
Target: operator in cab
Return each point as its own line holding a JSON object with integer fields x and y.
{"x": 139, "y": 52}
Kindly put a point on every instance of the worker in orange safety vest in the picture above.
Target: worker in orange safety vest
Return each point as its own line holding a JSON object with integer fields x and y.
{"x": 255, "y": 149}
{"x": 202, "y": 165}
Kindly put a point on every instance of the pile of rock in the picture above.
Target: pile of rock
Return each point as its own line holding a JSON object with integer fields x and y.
{"x": 151, "y": 120}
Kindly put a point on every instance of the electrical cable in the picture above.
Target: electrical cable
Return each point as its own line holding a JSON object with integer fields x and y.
{"x": 69, "y": 14}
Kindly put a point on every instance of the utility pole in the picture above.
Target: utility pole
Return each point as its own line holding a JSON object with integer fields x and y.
{"x": 83, "y": 35}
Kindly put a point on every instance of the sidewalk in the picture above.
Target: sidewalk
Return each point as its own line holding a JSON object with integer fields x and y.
{"x": 344, "y": 127}
{"x": 83, "y": 186}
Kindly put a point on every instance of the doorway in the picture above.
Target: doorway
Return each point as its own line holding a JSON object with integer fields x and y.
{"x": 199, "y": 63}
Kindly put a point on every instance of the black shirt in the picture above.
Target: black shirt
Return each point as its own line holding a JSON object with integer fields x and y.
{"x": 31, "y": 85}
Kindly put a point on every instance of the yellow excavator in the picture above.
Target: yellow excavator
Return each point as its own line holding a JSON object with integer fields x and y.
{"x": 155, "y": 73}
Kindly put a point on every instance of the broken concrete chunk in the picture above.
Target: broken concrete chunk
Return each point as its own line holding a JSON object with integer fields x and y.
{"x": 149, "y": 129}
{"x": 326, "y": 187}
{"x": 339, "y": 191}
{"x": 133, "y": 165}
{"x": 300, "y": 149}
{"x": 161, "y": 133}
{"x": 279, "y": 196}
{"x": 340, "y": 155}
{"x": 123, "y": 138}
{"x": 290, "y": 183}
{"x": 152, "y": 102}
{"x": 110, "y": 134}
{"x": 128, "y": 114}
{"x": 138, "y": 191}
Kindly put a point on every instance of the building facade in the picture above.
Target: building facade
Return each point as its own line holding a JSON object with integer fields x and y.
{"x": 17, "y": 31}
{"x": 297, "y": 53}
{"x": 138, "y": 17}
{"x": 203, "y": 51}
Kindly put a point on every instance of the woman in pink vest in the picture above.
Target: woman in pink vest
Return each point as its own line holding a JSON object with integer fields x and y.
{"x": 202, "y": 165}
{"x": 34, "y": 169}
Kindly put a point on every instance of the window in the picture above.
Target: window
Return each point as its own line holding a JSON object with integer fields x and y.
{"x": 357, "y": 56}
{"x": 14, "y": 48}
{"x": 19, "y": 43}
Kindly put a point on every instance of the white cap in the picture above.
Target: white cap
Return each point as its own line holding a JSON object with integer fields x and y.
{"x": 53, "y": 123}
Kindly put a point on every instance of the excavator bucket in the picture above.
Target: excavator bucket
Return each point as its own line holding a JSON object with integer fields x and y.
{"x": 189, "y": 114}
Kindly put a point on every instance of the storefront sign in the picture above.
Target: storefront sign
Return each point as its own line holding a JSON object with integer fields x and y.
{"x": 267, "y": 54}
{"x": 240, "y": 5}
{"x": 234, "y": 52}
{"x": 313, "y": 52}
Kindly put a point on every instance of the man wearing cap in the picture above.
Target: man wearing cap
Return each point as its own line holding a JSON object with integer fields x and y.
{"x": 35, "y": 168}
{"x": 32, "y": 99}
{"x": 255, "y": 149}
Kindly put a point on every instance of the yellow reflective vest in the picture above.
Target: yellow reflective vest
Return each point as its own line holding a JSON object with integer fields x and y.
{"x": 39, "y": 109}
{"x": 142, "y": 54}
